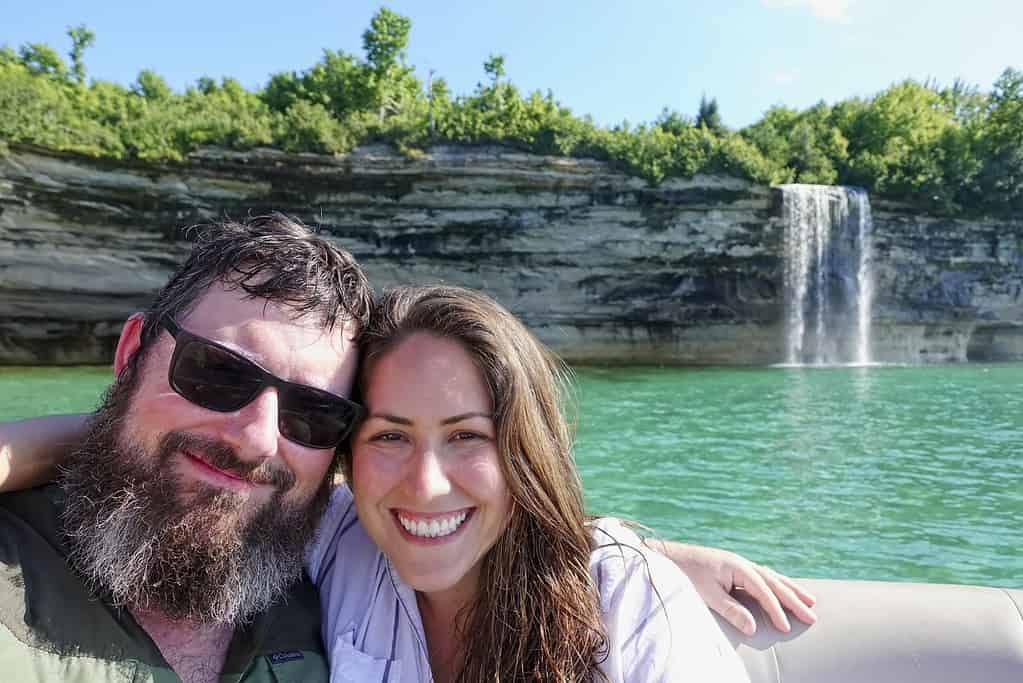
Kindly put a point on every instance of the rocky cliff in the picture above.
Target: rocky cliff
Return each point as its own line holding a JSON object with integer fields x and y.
{"x": 602, "y": 266}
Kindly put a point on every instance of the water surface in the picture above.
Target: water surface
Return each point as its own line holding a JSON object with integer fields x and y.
{"x": 896, "y": 473}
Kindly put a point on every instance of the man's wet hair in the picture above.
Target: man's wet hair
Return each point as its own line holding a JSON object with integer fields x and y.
{"x": 274, "y": 258}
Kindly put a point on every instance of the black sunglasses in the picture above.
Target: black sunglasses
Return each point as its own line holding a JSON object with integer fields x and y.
{"x": 215, "y": 377}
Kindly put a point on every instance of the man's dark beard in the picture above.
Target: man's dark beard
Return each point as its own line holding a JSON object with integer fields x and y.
{"x": 199, "y": 555}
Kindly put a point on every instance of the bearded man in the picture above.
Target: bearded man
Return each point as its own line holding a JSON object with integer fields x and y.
{"x": 174, "y": 539}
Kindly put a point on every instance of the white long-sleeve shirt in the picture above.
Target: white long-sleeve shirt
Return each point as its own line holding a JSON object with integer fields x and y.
{"x": 657, "y": 626}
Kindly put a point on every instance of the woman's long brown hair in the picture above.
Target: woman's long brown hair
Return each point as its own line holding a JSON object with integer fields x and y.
{"x": 536, "y": 617}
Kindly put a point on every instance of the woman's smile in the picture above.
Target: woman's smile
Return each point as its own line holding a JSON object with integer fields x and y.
{"x": 432, "y": 528}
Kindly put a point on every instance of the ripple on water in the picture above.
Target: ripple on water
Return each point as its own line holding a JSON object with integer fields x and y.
{"x": 900, "y": 473}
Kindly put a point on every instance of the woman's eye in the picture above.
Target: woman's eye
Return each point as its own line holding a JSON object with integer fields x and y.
{"x": 386, "y": 437}
{"x": 468, "y": 436}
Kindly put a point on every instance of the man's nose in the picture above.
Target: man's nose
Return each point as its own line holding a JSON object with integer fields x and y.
{"x": 426, "y": 477}
{"x": 252, "y": 430}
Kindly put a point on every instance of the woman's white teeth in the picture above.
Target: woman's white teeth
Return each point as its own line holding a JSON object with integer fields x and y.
{"x": 435, "y": 527}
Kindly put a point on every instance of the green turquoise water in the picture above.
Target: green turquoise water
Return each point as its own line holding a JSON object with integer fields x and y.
{"x": 896, "y": 473}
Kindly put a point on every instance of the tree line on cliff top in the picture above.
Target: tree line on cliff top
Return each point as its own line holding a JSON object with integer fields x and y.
{"x": 954, "y": 149}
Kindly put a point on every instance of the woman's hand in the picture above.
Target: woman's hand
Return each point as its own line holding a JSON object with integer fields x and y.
{"x": 716, "y": 573}
{"x": 31, "y": 450}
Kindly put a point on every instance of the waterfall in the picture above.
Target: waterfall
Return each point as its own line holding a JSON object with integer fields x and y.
{"x": 828, "y": 274}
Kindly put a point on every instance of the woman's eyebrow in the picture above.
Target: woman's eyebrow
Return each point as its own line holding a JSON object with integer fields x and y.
{"x": 465, "y": 416}
{"x": 391, "y": 418}
{"x": 446, "y": 421}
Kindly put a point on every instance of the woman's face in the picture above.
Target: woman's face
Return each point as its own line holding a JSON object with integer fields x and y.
{"x": 426, "y": 474}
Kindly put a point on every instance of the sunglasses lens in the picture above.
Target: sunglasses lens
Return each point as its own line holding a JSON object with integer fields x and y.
{"x": 315, "y": 418}
{"x": 214, "y": 378}
{"x": 219, "y": 379}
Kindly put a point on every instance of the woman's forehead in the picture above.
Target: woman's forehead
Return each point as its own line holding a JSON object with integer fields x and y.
{"x": 424, "y": 369}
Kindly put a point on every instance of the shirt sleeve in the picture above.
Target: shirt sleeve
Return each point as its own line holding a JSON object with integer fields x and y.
{"x": 659, "y": 630}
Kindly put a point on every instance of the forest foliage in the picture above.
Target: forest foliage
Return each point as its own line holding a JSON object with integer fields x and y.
{"x": 952, "y": 149}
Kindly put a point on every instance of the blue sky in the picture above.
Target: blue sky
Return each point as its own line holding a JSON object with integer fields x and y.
{"x": 614, "y": 60}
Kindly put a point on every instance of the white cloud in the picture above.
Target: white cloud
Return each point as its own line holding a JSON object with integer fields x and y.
{"x": 829, "y": 10}
{"x": 785, "y": 77}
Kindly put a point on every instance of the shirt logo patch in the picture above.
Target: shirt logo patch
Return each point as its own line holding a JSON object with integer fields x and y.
{"x": 286, "y": 656}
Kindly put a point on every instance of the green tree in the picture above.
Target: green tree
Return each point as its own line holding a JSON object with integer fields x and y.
{"x": 963, "y": 101}
{"x": 494, "y": 67}
{"x": 803, "y": 147}
{"x": 772, "y": 136}
{"x": 386, "y": 40}
{"x": 674, "y": 122}
{"x": 309, "y": 127}
{"x": 895, "y": 143}
{"x": 283, "y": 90}
{"x": 1001, "y": 178}
{"x": 385, "y": 43}
{"x": 43, "y": 60}
{"x": 955, "y": 149}
{"x": 339, "y": 83}
{"x": 38, "y": 109}
{"x": 151, "y": 86}
{"x": 206, "y": 85}
{"x": 708, "y": 115}
{"x": 81, "y": 40}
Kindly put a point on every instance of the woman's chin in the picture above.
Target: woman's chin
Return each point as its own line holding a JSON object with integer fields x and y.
{"x": 438, "y": 580}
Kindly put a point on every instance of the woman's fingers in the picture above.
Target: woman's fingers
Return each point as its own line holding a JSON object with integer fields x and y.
{"x": 791, "y": 596}
{"x": 754, "y": 581}
{"x": 806, "y": 597}
{"x": 732, "y": 611}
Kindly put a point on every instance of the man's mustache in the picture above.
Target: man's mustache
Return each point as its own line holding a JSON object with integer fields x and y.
{"x": 224, "y": 457}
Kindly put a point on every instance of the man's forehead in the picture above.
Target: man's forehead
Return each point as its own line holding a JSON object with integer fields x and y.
{"x": 273, "y": 335}
{"x": 225, "y": 305}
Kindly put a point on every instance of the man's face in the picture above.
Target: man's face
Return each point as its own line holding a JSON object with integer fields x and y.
{"x": 297, "y": 351}
{"x": 203, "y": 515}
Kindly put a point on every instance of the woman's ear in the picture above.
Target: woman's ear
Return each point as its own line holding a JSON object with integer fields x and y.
{"x": 129, "y": 342}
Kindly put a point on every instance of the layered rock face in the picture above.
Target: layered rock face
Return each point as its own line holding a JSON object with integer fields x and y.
{"x": 947, "y": 290}
{"x": 603, "y": 267}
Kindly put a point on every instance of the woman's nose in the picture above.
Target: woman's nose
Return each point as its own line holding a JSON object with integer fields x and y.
{"x": 426, "y": 477}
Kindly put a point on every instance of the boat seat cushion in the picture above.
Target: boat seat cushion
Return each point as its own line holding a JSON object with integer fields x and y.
{"x": 885, "y": 632}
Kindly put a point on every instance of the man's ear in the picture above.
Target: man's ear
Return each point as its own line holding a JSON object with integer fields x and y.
{"x": 129, "y": 342}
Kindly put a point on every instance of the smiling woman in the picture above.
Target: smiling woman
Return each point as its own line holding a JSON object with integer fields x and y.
{"x": 426, "y": 460}
{"x": 488, "y": 567}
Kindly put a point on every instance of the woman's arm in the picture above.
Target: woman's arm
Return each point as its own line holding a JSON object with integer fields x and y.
{"x": 716, "y": 573}
{"x": 658, "y": 627}
{"x": 31, "y": 450}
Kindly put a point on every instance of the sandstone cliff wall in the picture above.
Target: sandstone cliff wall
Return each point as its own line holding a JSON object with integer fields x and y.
{"x": 602, "y": 266}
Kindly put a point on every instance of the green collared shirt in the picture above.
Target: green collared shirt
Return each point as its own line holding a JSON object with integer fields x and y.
{"x": 53, "y": 629}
